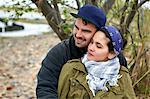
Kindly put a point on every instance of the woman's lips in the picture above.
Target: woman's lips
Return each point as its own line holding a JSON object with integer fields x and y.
{"x": 90, "y": 54}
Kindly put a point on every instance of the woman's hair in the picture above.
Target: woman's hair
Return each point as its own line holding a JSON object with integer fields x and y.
{"x": 110, "y": 45}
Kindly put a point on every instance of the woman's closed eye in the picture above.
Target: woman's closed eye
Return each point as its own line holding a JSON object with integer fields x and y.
{"x": 98, "y": 45}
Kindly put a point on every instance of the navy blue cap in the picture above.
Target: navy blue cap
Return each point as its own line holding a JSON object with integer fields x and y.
{"x": 92, "y": 14}
{"x": 116, "y": 38}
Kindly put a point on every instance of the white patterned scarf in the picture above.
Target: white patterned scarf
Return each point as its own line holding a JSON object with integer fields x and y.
{"x": 101, "y": 73}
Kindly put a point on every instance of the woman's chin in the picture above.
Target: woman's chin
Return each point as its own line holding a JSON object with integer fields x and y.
{"x": 89, "y": 58}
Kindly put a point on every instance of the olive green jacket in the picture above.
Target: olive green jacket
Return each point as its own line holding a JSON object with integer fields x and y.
{"x": 73, "y": 85}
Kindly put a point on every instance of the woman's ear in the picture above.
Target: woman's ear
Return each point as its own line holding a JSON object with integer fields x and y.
{"x": 111, "y": 55}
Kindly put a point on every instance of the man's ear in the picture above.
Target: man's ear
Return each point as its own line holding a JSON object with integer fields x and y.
{"x": 111, "y": 55}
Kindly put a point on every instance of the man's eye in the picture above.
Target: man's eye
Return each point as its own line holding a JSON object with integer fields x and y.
{"x": 76, "y": 27}
{"x": 91, "y": 42}
{"x": 87, "y": 31}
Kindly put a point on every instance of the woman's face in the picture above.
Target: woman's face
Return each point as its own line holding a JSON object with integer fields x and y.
{"x": 98, "y": 49}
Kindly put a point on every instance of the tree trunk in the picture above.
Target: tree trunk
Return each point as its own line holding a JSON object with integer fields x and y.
{"x": 52, "y": 16}
{"x": 108, "y": 5}
{"x": 54, "y": 19}
{"x": 93, "y": 2}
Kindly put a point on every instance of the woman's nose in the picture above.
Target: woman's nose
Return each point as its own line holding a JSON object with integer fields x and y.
{"x": 91, "y": 47}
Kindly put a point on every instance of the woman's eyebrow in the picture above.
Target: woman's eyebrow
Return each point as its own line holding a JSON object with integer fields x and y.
{"x": 97, "y": 43}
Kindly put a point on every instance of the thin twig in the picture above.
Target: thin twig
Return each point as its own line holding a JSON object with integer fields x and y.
{"x": 78, "y": 4}
{"x": 146, "y": 50}
{"x": 124, "y": 8}
{"x": 132, "y": 41}
{"x": 138, "y": 25}
{"x": 68, "y": 5}
{"x": 141, "y": 3}
{"x": 141, "y": 78}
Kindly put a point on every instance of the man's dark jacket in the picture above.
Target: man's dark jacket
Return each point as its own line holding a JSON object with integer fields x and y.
{"x": 52, "y": 64}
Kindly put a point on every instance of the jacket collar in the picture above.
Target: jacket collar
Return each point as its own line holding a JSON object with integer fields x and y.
{"x": 79, "y": 66}
{"x": 75, "y": 51}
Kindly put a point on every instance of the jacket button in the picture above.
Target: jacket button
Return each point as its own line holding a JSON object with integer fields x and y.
{"x": 73, "y": 83}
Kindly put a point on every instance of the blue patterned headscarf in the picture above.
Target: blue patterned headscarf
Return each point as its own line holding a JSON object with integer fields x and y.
{"x": 116, "y": 38}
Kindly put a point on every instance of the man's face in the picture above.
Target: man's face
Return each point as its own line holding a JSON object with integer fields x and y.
{"x": 83, "y": 33}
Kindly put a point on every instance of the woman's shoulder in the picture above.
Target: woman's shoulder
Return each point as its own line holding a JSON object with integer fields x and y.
{"x": 74, "y": 64}
{"x": 73, "y": 60}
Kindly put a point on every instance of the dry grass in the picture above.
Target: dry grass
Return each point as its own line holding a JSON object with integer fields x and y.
{"x": 137, "y": 52}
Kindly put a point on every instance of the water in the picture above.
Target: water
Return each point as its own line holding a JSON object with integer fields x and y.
{"x": 29, "y": 15}
{"x": 29, "y": 29}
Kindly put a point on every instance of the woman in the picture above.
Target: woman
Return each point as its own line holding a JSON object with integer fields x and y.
{"x": 98, "y": 75}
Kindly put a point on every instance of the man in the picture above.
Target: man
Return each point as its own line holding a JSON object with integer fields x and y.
{"x": 89, "y": 20}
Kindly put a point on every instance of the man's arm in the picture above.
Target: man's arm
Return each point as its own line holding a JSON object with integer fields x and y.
{"x": 49, "y": 72}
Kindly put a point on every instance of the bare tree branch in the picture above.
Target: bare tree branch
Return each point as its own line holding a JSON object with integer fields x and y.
{"x": 51, "y": 16}
{"x": 123, "y": 12}
{"x": 133, "y": 62}
{"x": 88, "y": 2}
{"x": 141, "y": 3}
{"x": 132, "y": 41}
{"x": 136, "y": 67}
{"x": 132, "y": 13}
{"x": 78, "y": 4}
{"x": 68, "y": 5}
{"x": 93, "y": 2}
{"x": 52, "y": 13}
{"x": 122, "y": 19}
{"x": 138, "y": 25}
{"x": 57, "y": 9}
{"x": 140, "y": 79}
{"x": 54, "y": 2}
{"x": 108, "y": 5}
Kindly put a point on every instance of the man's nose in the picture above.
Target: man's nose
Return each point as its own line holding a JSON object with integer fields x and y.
{"x": 79, "y": 33}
